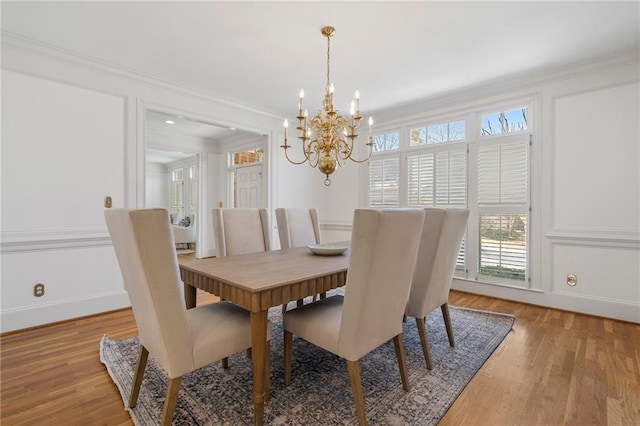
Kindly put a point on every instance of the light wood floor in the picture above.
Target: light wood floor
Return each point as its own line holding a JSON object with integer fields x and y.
{"x": 553, "y": 368}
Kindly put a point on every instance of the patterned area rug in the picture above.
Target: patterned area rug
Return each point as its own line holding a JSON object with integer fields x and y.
{"x": 320, "y": 392}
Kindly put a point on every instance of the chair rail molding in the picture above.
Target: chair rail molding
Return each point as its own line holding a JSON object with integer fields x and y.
{"x": 41, "y": 240}
{"x": 623, "y": 238}
{"x": 336, "y": 226}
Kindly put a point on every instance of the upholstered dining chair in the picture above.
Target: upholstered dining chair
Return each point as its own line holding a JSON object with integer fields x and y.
{"x": 384, "y": 246}
{"x": 180, "y": 340}
{"x": 298, "y": 227}
{"x": 442, "y": 235}
{"x": 241, "y": 231}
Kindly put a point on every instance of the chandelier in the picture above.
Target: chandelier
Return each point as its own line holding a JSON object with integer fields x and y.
{"x": 328, "y": 138}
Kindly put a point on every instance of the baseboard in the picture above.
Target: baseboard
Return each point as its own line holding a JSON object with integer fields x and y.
{"x": 598, "y": 307}
{"x": 33, "y": 316}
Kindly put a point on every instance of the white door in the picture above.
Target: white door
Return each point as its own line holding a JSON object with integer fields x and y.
{"x": 248, "y": 191}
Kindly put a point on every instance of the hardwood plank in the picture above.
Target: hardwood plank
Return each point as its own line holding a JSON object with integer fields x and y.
{"x": 555, "y": 367}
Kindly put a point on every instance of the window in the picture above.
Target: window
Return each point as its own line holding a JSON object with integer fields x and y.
{"x": 386, "y": 142}
{"x": 177, "y": 198}
{"x": 437, "y": 173}
{"x": 437, "y": 178}
{"x": 384, "y": 175}
{"x": 193, "y": 189}
{"x": 437, "y": 133}
{"x": 511, "y": 121}
{"x": 503, "y": 206}
{"x": 485, "y": 169}
{"x": 247, "y": 157}
{"x": 184, "y": 190}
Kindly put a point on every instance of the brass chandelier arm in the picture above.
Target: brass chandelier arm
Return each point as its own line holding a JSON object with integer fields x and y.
{"x": 286, "y": 154}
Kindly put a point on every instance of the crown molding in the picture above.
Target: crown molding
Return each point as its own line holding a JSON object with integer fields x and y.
{"x": 52, "y": 53}
{"x": 518, "y": 85}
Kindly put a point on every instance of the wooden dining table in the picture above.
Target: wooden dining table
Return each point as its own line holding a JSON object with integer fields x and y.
{"x": 260, "y": 281}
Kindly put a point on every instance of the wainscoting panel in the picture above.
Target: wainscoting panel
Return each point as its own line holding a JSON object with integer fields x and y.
{"x": 77, "y": 281}
{"x": 603, "y": 272}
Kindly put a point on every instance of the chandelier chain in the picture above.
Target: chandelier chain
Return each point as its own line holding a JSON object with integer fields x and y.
{"x": 328, "y": 58}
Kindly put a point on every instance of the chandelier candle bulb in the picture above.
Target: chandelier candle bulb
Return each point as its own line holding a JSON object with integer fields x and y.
{"x": 300, "y": 103}
{"x": 328, "y": 138}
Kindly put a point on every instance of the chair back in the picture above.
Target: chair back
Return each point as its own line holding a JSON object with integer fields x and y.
{"x": 241, "y": 231}
{"x": 297, "y": 227}
{"x": 431, "y": 284}
{"x": 383, "y": 251}
{"x": 145, "y": 249}
{"x": 431, "y": 231}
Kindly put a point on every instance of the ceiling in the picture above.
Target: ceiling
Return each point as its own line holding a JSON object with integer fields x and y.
{"x": 160, "y": 123}
{"x": 161, "y": 156}
{"x": 261, "y": 54}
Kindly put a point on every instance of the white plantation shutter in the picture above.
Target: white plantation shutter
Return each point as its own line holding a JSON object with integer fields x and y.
{"x": 503, "y": 206}
{"x": 437, "y": 179}
{"x": 384, "y": 176}
{"x": 502, "y": 173}
{"x": 420, "y": 180}
{"x": 460, "y": 266}
{"x": 451, "y": 178}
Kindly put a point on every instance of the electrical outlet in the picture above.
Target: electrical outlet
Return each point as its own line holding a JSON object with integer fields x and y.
{"x": 38, "y": 290}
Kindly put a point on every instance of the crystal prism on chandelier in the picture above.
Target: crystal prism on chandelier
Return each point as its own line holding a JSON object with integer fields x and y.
{"x": 328, "y": 139}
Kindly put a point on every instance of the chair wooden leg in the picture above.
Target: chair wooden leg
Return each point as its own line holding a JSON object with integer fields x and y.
{"x": 356, "y": 390}
{"x": 288, "y": 351}
{"x": 225, "y": 362}
{"x": 322, "y": 295}
{"x": 248, "y": 352}
{"x": 137, "y": 379}
{"x": 402, "y": 362}
{"x": 422, "y": 332}
{"x": 170, "y": 401}
{"x": 447, "y": 323}
{"x": 299, "y": 303}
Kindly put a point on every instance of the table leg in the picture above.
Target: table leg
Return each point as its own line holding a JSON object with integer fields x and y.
{"x": 259, "y": 345}
{"x": 189, "y": 296}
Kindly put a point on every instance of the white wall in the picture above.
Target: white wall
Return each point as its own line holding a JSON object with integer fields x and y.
{"x": 156, "y": 185}
{"x": 72, "y": 133}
